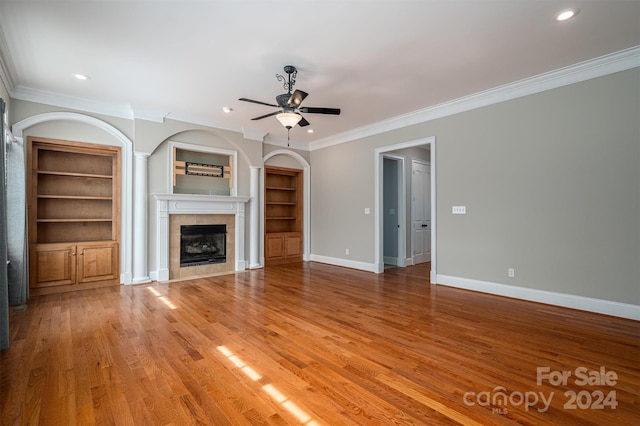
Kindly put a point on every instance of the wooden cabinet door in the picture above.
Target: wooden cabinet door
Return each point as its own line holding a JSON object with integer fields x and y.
{"x": 293, "y": 246}
{"x": 98, "y": 262}
{"x": 52, "y": 265}
{"x": 275, "y": 248}
{"x": 283, "y": 247}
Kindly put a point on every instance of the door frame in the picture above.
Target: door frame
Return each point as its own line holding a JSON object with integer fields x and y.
{"x": 402, "y": 203}
{"x": 413, "y": 240}
{"x": 378, "y": 156}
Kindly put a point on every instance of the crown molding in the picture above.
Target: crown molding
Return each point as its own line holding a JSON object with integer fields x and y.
{"x": 253, "y": 134}
{"x": 72, "y": 102}
{"x": 5, "y": 65}
{"x": 598, "y": 67}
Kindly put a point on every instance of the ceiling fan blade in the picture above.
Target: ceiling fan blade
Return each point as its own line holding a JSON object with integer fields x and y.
{"x": 257, "y": 102}
{"x": 303, "y": 123}
{"x": 266, "y": 115}
{"x": 297, "y": 97}
{"x": 315, "y": 110}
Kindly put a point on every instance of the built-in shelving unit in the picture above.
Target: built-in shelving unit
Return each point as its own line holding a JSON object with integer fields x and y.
{"x": 74, "y": 211}
{"x": 283, "y": 215}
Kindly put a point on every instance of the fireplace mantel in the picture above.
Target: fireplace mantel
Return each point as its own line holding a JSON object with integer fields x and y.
{"x": 168, "y": 204}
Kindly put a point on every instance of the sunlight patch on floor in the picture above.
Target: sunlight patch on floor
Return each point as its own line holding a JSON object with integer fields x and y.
{"x": 162, "y": 298}
{"x": 271, "y": 390}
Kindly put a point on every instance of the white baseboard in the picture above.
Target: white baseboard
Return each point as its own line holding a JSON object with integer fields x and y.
{"x": 600, "y": 306}
{"x": 353, "y": 264}
{"x": 390, "y": 260}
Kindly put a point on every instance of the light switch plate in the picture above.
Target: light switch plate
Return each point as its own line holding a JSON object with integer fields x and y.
{"x": 458, "y": 209}
{"x": 367, "y": 210}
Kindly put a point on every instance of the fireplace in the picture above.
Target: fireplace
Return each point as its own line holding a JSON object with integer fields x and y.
{"x": 202, "y": 244}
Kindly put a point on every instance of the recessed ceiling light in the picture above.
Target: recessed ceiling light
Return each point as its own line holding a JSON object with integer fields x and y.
{"x": 81, "y": 76}
{"x": 566, "y": 14}
{"x": 227, "y": 109}
{"x": 310, "y": 131}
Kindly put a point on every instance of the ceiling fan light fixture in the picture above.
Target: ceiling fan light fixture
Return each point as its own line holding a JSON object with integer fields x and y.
{"x": 288, "y": 119}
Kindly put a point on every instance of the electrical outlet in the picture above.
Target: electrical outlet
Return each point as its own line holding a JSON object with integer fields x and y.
{"x": 511, "y": 272}
{"x": 458, "y": 209}
{"x": 346, "y": 251}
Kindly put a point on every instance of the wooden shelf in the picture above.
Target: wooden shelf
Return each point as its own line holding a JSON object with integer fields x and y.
{"x": 91, "y": 175}
{"x": 283, "y": 215}
{"x": 74, "y": 214}
{"x": 73, "y": 197}
{"x": 280, "y": 188}
{"x": 71, "y": 220}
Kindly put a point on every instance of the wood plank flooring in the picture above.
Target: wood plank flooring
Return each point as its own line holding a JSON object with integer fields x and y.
{"x": 314, "y": 344}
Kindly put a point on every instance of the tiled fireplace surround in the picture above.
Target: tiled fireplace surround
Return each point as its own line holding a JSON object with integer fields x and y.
{"x": 174, "y": 210}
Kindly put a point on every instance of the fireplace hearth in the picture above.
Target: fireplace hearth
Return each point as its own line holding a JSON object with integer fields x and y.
{"x": 202, "y": 244}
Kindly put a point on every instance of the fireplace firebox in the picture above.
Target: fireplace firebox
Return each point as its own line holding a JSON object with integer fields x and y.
{"x": 202, "y": 244}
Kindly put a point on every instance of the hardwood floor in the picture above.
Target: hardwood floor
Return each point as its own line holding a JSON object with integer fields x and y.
{"x": 314, "y": 344}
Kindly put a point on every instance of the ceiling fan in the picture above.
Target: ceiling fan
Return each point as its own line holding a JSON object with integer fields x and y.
{"x": 289, "y": 113}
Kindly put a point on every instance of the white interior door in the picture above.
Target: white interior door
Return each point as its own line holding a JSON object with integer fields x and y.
{"x": 421, "y": 211}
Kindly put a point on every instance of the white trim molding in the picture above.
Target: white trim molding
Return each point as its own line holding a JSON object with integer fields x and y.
{"x": 168, "y": 204}
{"x": 600, "y": 306}
{"x": 336, "y": 261}
{"x": 598, "y": 67}
{"x": 126, "y": 233}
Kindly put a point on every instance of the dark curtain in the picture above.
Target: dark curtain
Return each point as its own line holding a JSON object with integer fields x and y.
{"x": 4, "y": 282}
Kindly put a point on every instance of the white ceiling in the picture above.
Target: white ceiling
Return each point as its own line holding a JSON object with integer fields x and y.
{"x": 186, "y": 59}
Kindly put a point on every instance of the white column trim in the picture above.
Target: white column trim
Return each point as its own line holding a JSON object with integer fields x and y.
{"x": 140, "y": 219}
{"x": 254, "y": 219}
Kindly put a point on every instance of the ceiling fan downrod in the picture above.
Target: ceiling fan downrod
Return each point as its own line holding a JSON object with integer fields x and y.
{"x": 292, "y": 72}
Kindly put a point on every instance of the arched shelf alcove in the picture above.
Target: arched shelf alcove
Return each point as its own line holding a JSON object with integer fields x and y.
{"x": 126, "y": 252}
{"x": 306, "y": 215}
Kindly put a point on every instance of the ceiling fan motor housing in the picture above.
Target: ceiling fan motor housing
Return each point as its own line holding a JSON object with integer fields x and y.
{"x": 283, "y": 99}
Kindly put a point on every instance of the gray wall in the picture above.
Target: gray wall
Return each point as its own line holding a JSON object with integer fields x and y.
{"x": 551, "y": 182}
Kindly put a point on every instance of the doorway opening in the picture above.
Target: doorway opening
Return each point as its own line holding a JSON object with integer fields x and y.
{"x": 407, "y": 244}
{"x": 393, "y": 210}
